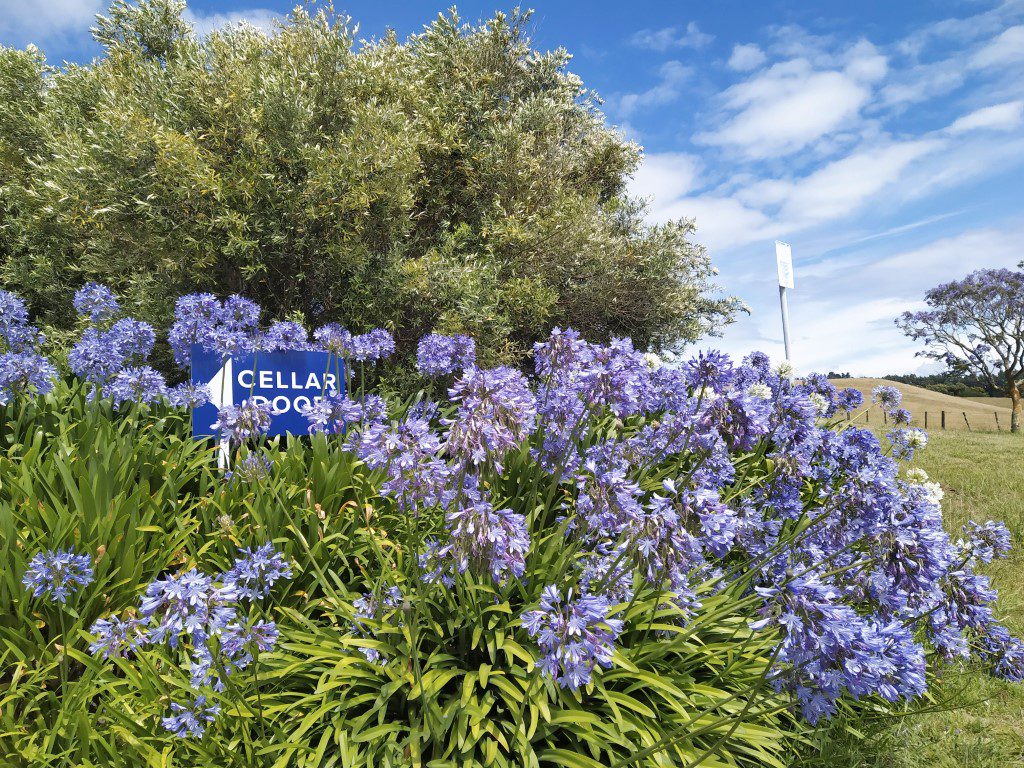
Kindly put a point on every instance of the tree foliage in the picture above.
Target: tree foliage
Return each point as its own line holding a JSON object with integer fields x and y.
{"x": 459, "y": 180}
{"x": 976, "y": 325}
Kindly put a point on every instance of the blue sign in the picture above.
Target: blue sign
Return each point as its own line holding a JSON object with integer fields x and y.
{"x": 287, "y": 381}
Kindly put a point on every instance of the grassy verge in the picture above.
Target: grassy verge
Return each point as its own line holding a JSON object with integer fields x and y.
{"x": 980, "y": 722}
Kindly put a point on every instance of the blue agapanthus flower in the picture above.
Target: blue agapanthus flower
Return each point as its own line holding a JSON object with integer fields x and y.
{"x": 57, "y": 574}
{"x": 284, "y": 336}
{"x": 190, "y": 720}
{"x": 438, "y": 355}
{"x": 575, "y": 635}
{"x": 23, "y": 372}
{"x": 188, "y": 603}
{"x": 257, "y": 570}
{"x": 188, "y": 395}
{"x": 497, "y": 410}
{"x": 117, "y": 637}
{"x": 141, "y": 384}
{"x": 97, "y": 302}
{"x": 238, "y": 423}
{"x": 370, "y": 347}
{"x": 15, "y": 330}
{"x": 486, "y": 540}
{"x": 253, "y": 469}
{"x": 334, "y": 339}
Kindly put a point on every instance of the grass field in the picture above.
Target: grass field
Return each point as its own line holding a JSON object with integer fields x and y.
{"x": 982, "y": 413}
{"x": 983, "y": 477}
{"x": 997, "y": 402}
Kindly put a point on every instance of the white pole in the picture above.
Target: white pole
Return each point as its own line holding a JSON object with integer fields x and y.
{"x": 785, "y": 321}
{"x": 784, "y": 262}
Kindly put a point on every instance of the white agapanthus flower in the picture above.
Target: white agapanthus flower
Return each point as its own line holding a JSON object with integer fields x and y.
{"x": 933, "y": 492}
{"x": 785, "y": 369}
{"x": 820, "y": 402}
{"x": 917, "y": 475}
{"x": 916, "y": 439}
{"x": 652, "y": 360}
{"x": 760, "y": 391}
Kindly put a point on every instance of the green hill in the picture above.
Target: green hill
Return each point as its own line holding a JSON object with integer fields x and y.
{"x": 983, "y": 416}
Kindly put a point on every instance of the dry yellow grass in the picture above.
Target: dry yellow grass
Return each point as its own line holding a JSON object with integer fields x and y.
{"x": 983, "y": 417}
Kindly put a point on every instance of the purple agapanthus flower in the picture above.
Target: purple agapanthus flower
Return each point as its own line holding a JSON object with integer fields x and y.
{"x": 242, "y": 422}
{"x": 256, "y": 571}
{"x": 190, "y": 720}
{"x": 117, "y": 637}
{"x": 97, "y": 302}
{"x": 57, "y": 574}
{"x": 575, "y": 636}
{"x": 142, "y": 384}
{"x": 25, "y": 372}
{"x": 439, "y": 355}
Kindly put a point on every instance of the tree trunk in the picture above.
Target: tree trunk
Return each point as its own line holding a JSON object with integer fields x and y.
{"x": 1015, "y": 404}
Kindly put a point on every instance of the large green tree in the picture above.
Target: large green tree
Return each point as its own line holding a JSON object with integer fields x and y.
{"x": 459, "y": 181}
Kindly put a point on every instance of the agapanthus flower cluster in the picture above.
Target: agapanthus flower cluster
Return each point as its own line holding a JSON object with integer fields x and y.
{"x": 252, "y": 469}
{"x": 496, "y": 412}
{"x": 370, "y": 347}
{"x": 334, "y": 413}
{"x": 23, "y": 369}
{"x": 257, "y": 570}
{"x": 100, "y": 355}
{"x": 575, "y": 635}
{"x": 141, "y": 384}
{"x": 373, "y": 609}
{"x": 188, "y": 395}
{"x": 228, "y": 327}
{"x": 97, "y": 302}
{"x": 201, "y": 615}
{"x": 189, "y": 721}
{"x": 57, "y": 574}
{"x": 438, "y": 355}
{"x": 485, "y": 540}
{"x": 245, "y": 421}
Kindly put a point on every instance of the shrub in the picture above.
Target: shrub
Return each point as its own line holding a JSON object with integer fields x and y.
{"x": 459, "y": 181}
{"x": 613, "y": 562}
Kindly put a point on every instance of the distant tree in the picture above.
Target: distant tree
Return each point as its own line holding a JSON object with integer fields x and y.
{"x": 459, "y": 181}
{"x": 977, "y": 325}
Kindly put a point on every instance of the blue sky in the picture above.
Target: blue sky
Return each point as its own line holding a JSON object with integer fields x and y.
{"x": 883, "y": 140}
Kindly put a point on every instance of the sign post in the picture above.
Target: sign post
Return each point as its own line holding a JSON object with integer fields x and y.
{"x": 287, "y": 381}
{"x": 784, "y": 262}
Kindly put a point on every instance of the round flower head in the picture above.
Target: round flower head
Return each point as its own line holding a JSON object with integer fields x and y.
{"x": 24, "y": 372}
{"x": 188, "y": 395}
{"x": 438, "y": 355}
{"x": 96, "y": 302}
{"x": 137, "y": 385}
{"x": 334, "y": 339}
{"x": 284, "y": 336}
{"x": 238, "y": 423}
{"x": 190, "y": 720}
{"x": 888, "y": 397}
{"x": 14, "y": 326}
{"x": 57, "y": 574}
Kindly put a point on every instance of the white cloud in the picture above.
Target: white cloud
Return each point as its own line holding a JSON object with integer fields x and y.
{"x": 672, "y": 76}
{"x": 665, "y": 176}
{"x": 998, "y": 117}
{"x": 41, "y": 21}
{"x": 671, "y": 37}
{"x": 841, "y": 187}
{"x": 746, "y": 57}
{"x": 722, "y": 222}
{"x": 1006, "y": 48}
{"x": 261, "y": 18}
{"x": 786, "y": 108}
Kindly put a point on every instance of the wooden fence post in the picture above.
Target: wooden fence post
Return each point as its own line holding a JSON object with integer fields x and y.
{"x": 926, "y": 419}
{"x": 967, "y": 422}
{"x": 999, "y": 427}
{"x": 943, "y": 419}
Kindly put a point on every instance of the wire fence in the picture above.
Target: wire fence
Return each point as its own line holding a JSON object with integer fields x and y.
{"x": 968, "y": 421}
